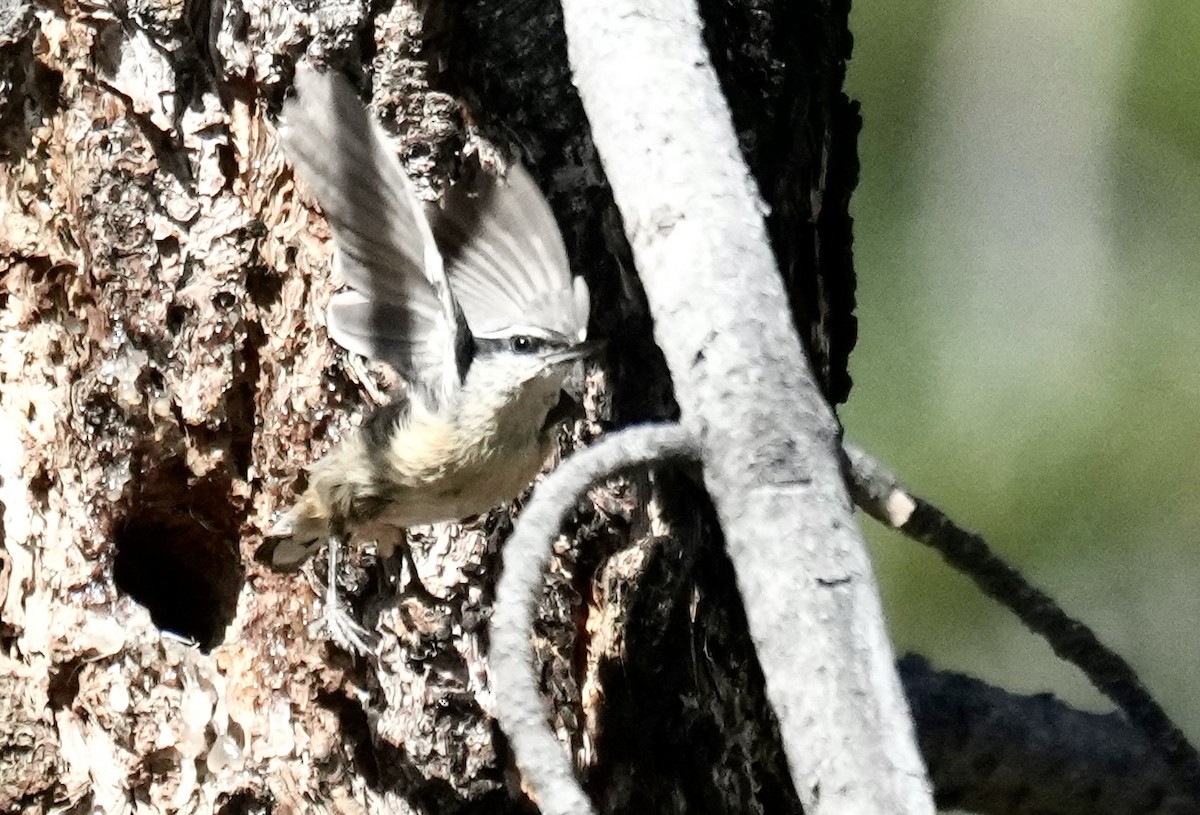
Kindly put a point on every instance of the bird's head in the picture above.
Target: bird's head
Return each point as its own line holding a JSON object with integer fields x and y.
{"x": 526, "y": 360}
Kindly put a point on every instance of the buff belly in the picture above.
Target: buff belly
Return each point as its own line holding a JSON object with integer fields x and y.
{"x": 434, "y": 478}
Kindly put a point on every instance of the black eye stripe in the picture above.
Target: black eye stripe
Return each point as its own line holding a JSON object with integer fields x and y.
{"x": 516, "y": 344}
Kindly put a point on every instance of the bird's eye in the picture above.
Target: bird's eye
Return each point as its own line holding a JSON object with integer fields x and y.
{"x": 522, "y": 344}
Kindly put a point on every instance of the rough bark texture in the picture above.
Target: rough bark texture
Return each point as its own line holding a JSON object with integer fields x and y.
{"x": 165, "y": 376}
{"x": 770, "y": 446}
{"x": 678, "y": 667}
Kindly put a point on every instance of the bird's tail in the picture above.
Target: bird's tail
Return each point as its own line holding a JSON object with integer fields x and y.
{"x": 297, "y": 537}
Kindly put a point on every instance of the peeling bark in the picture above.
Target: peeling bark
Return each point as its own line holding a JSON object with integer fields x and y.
{"x": 165, "y": 376}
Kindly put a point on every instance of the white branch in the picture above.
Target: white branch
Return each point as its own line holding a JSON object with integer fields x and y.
{"x": 770, "y": 443}
{"x": 522, "y": 713}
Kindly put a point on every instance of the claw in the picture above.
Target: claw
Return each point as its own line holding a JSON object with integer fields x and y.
{"x": 414, "y": 585}
{"x": 342, "y": 630}
{"x": 336, "y": 620}
{"x": 414, "y": 578}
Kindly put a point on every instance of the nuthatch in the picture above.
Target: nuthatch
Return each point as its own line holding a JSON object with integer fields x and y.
{"x": 473, "y": 303}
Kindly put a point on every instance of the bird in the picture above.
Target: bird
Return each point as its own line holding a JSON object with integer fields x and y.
{"x": 472, "y": 302}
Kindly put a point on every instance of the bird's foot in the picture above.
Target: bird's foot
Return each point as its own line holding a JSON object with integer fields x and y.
{"x": 413, "y": 586}
{"x": 339, "y": 626}
{"x": 341, "y": 629}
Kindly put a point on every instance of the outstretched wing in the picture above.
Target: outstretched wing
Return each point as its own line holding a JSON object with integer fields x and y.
{"x": 506, "y": 260}
{"x": 399, "y": 307}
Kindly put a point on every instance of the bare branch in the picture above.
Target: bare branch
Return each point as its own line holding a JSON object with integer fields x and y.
{"x": 879, "y": 493}
{"x": 771, "y": 453}
{"x": 521, "y": 711}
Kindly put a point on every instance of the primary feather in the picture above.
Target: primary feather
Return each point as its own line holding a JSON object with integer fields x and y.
{"x": 491, "y": 263}
{"x": 399, "y": 307}
{"x": 472, "y": 302}
{"x": 506, "y": 259}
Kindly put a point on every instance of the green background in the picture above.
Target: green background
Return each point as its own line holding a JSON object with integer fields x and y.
{"x": 1027, "y": 240}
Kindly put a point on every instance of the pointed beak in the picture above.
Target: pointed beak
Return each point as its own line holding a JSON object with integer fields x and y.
{"x": 578, "y": 351}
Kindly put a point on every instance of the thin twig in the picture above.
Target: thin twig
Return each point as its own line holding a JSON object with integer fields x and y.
{"x": 881, "y": 495}
{"x": 543, "y": 762}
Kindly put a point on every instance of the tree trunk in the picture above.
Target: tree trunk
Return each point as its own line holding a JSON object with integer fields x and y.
{"x": 165, "y": 376}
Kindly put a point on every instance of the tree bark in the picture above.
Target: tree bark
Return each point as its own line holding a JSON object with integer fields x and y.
{"x": 165, "y": 376}
{"x": 770, "y": 448}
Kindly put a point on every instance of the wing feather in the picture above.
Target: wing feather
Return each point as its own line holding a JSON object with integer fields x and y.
{"x": 402, "y": 310}
{"x": 506, "y": 260}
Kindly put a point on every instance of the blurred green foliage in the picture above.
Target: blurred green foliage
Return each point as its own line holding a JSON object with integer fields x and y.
{"x": 1068, "y": 434}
